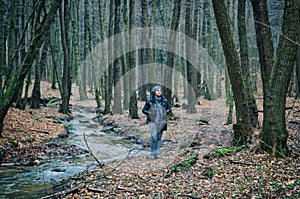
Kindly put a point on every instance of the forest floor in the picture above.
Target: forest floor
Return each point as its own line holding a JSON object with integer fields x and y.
{"x": 198, "y": 157}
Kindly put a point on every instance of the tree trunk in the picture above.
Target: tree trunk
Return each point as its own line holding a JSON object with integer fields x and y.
{"x": 242, "y": 32}
{"x": 298, "y": 71}
{"x": 263, "y": 39}
{"x": 242, "y": 136}
{"x": 36, "y": 92}
{"x": 133, "y": 109}
{"x": 67, "y": 70}
{"x": 101, "y": 30}
{"x": 190, "y": 71}
{"x": 168, "y": 76}
{"x": 208, "y": 46}
{"x": 125, "y": 60}
{"x": 274, "y": 135}
{"x": 143, "y": 73}
{"x": 76, "y": 55}
{"x": 109, "y": 72}
{"x": 52, "y": 49}
{"x": 41, "y": 30}
{"x": 117, "y": 106}
{"x": 85, "y": 48}
{"x": 2, "y": 45}
{"x": 15, "y": 57}
{"x": 11, "y": 43}
{"x": 229, "y": 98}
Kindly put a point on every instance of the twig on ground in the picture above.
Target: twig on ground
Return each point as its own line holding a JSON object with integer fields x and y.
{"x": 99, "y": 163}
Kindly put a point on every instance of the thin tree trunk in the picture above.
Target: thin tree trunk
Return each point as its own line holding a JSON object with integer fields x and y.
{"x": 150, "y": 53}
{"x": 143, "y": 73}
{"x": 189, "y": 68}
{"x": 2, "y": 46}
{"x": 66, "y": 79}
{"x": 245, "y": 61}
{"x": 52, "y": 49}
{"x": 109, "y": 72}
{"x": 133, "y": 109}
{"x": 168, "y": 76}
{"x": 210, "y": 70}
{"x": 263, "y": 38}
{"x": 117, "y": 106}
{"x": 85, "y": 48}
{"x": 36, "y": 92}
{"x": 298, "y": 71}
{"x": 229, "y": 98}
{"x": 125, "y": 59}
{"x": 101, "y": 30}
{"x": 75, "y": 37}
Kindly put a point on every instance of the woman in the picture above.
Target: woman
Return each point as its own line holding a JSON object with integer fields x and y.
{"x": 156, "y": 108}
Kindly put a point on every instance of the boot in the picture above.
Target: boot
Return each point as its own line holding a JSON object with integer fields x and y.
{"x": 152, "y": 156}
{"x": 152, "y": 146}
{"x": 157, "y": 152}
{"x": 157, "y": 155}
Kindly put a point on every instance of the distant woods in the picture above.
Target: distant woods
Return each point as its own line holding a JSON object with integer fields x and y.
{"x": 117, "y": 50}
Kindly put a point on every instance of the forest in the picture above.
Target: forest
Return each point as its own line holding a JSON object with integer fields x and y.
{"x": 244, "y": 53}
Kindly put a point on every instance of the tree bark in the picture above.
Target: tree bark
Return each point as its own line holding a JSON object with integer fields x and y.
{"x": 85, "y": 48}
{"x": 242, "y": 32}
{"x": 133, "y": 109}
{"x": 190, "y": 71}
{"x": 263, "y": 39}
{"x": 143, "y": 59}
{"x": 117, "y": 106}
{"x": 36, "y": 92}
{"x": 109, "y": 72}
{"x": 275, "y": 134}
{"x": 170, "y": 56}
{"x": 67, "y": 70}
{"x": 76, "y": 55}
{"x": 243, "y": 125}
{"x": 298, "y": 71}
{"x": 2, "y": 45}
{"x": 125, "y": 60}
{"x": 101, "y": 30}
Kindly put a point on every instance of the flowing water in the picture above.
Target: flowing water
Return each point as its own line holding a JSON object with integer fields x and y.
{"x": 37, "y": 181}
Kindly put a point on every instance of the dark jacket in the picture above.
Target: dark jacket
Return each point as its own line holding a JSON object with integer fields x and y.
{"x": 150, "y": 102}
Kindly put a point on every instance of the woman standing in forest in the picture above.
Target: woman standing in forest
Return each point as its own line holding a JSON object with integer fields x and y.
{"x": 156, "y": 108}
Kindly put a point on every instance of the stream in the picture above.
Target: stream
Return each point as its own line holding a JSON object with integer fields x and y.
{"x": 38, "y": 180}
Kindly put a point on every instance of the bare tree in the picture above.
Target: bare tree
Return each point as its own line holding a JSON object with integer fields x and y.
{"x": 14, "y": 80}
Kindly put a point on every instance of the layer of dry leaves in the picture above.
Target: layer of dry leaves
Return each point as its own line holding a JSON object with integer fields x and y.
{"x": 249, "y": 173}
{"x": 243, "y": 174}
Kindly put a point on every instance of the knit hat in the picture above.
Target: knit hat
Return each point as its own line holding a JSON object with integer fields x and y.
{"x": 155, "y": 88}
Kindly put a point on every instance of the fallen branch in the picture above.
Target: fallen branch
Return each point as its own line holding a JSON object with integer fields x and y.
{"x": 37, "y": 130}
{"x": 99, "y": 163}
{"x": 124, "y": 189}
{"x": 184, "y": 165}
{"x": 95, "y": 190}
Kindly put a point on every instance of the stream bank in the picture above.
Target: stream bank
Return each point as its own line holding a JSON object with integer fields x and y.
{"x": 40, "y": 168}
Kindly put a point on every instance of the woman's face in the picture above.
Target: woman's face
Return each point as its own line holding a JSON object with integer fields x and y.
{"x": 158, "y": 93}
